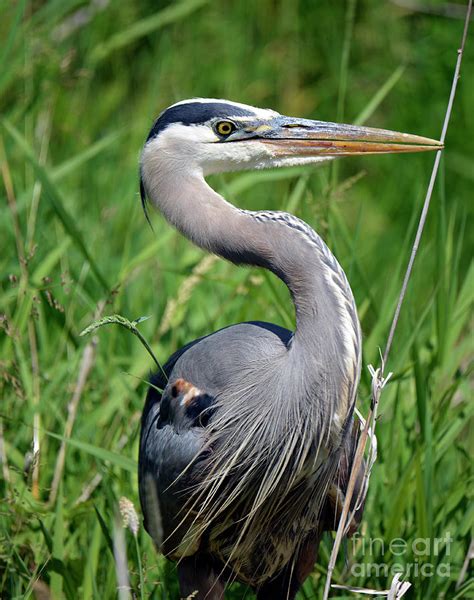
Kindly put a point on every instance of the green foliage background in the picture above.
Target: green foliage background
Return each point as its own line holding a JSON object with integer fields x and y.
{"x": 80, "y": 84}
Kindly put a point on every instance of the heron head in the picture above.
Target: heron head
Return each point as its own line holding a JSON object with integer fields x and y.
{"x": 205, "y": 136}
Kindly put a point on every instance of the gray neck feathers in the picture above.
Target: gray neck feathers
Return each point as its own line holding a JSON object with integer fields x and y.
{"x": 327, "y": 337}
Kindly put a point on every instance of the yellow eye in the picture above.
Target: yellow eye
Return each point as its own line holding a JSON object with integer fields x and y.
{"x": 225, "y": 127}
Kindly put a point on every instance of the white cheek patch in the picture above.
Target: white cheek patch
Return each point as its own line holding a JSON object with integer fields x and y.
{"x": 178, "y": 149}
{"x": 188, "y": 148}
{"x": 185, "y": 135}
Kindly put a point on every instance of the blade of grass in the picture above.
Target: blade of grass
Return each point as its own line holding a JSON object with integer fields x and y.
{"x": 167, "y": 16}
{"x": 379, "y": 96}
{"x": 105, "y": 532}
{"x": 247, "y": 181}
{"x": 6, "y": 68}
{"x": 92, "y": 562}
{"x": 73, "y": 163}
{"x": 56, "y": 201}
{"x": 344, "y": 75}
{"x": 123, "y": 462}
{"x": 56, "y": 579}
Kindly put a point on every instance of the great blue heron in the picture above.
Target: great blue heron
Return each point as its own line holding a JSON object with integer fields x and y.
{"x": 244, "y": 456}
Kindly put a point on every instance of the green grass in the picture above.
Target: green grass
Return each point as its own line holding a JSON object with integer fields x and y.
{"x": 75, "y": 107}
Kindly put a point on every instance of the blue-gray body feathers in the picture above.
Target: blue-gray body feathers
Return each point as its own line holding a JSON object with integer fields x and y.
{"x": 293, "y": 465}
{"x": 245, "y": 455}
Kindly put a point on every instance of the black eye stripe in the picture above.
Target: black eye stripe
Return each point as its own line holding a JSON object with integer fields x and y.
{"x": 194, "y": 113}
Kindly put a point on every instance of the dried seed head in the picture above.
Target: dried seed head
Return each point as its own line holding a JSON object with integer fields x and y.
{"x": 129, "y": 515}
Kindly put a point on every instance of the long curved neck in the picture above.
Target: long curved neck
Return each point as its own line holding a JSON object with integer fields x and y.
{"x": 327, "y": 337}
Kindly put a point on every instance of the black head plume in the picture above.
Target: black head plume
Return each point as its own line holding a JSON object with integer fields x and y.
{"x": 144, "y": 200}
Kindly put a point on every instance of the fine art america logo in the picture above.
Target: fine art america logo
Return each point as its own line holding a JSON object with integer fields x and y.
{"x": 417, "y": 558}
